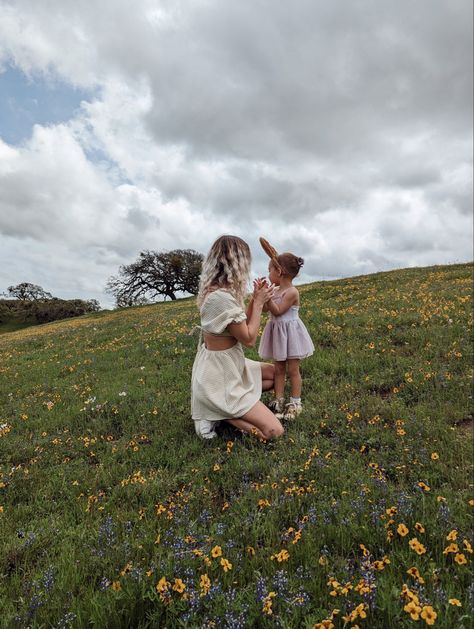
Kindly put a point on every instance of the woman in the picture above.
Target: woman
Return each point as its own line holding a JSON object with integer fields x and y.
{"x": 226, "y": 385}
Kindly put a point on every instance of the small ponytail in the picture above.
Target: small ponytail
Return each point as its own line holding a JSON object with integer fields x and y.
{"x": 290, "y": 264}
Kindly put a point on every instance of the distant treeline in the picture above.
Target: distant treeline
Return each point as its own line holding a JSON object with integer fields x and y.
{"x": 29, "y": 303}
{"x": 44, "y": 311}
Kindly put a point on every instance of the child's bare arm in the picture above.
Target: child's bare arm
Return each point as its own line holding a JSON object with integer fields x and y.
{"x": 290, "y": 299}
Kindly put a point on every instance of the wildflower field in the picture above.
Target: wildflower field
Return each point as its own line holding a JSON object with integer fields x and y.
{"x": 114, "y": 514}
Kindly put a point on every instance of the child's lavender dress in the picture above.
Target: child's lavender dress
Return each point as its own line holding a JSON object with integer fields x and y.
{"x": 285, "y": 336}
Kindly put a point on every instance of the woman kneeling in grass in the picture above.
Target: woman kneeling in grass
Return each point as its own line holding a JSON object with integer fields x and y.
{"x": 226, "y": 385}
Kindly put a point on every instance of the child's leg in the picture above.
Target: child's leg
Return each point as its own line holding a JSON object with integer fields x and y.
{"x": 295, "y": 377}
{"x": 280, "y": 372}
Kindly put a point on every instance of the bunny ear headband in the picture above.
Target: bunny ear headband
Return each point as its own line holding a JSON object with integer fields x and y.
{"x": 271, "y": 253}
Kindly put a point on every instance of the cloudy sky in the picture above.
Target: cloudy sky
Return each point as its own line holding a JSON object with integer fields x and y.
{"x": 340, "y": 130}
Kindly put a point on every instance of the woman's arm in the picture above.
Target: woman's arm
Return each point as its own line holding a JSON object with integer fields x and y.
{"x": 258, "y": 283}
{"x": 249, "y": 308}
{"x": 247, "y": 331}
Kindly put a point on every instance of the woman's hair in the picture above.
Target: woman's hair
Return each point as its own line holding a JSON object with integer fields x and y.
{"x": 290, "y": 264}
{"x": 227, "y": 265}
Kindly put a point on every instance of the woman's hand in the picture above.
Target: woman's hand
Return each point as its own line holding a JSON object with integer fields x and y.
{"x": 258, "y": 283}
{"x": 262, "y": 292}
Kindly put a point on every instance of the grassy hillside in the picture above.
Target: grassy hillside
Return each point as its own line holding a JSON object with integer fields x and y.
{"x": 113, "y": 514}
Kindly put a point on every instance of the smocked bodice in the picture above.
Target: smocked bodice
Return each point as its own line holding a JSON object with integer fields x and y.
{"x": 289, "y": 315}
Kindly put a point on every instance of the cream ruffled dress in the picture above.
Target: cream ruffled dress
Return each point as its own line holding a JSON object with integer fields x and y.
{"x": 225, "y": 384}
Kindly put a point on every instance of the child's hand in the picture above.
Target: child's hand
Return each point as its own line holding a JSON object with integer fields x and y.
{"x": 259, "y": 282}
{"x": 263, "y": 293}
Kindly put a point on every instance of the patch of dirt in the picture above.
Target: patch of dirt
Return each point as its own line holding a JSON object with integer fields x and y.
{"x": 466, "y": 424}
{"x": 384, "y": 391}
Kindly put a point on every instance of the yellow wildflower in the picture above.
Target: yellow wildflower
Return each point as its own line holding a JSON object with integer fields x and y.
{"x": 267, "y": 603}
{"x": 452, "y": 536}
{"x": 162, "y": 585}
{"x": 413, "y": 609}
{"x": 283, "y": 555}
{"x": 216, "y": 552}
{"x": 417, "y": 546}
{"x": 116, "y": 587}
{"x": 429, "y": 615}
{"x": 415, "y": 574}
{"x": 460, "y": 558}
{"x": 226, "y": 565}
{"x": 454, "y": 601}
{"x": 179, "y": 586}
{"x": 402, "y": 530}
{"x": 126, "y": 569}
{"x": 452, "y": 548}
{"x": 204, "y": 584}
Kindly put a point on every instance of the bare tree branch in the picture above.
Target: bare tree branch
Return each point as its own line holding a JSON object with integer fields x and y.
{"x": 154, "y": 274}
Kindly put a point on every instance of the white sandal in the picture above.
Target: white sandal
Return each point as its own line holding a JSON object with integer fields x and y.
{"x": 205, "y": 428}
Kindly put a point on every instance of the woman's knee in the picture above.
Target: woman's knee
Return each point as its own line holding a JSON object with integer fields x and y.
{"x": 268, "y": 371}
{"x": 273, "y": 432}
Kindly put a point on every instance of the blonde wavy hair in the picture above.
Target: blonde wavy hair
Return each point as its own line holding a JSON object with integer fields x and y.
{"x": 227, "y": 265}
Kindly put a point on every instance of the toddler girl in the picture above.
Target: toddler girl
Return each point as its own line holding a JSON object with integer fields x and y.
{"x": 285, "y": 338}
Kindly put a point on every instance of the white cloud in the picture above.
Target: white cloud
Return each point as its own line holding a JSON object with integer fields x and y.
{"x": 342, "y": 133}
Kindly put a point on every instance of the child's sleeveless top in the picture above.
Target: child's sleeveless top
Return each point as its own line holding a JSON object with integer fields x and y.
{"x": 285, "y": 336}
{"x": 225, "y": 384}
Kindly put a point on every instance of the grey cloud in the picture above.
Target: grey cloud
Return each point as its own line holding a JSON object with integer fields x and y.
{"x": 142, "y": 221}
{"x": 414, "y": 176}
{"x": 262, "y": 83}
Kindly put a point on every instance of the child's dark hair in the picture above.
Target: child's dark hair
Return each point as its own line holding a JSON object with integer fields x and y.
{"x": 290, "y": 264}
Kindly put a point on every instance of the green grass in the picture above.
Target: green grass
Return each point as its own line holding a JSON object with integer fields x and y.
{"x": 13, "y": 326}
{"x": 105, "y": 489}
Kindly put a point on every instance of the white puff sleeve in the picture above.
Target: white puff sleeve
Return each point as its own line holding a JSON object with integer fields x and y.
{"x": 219, "y": 310}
